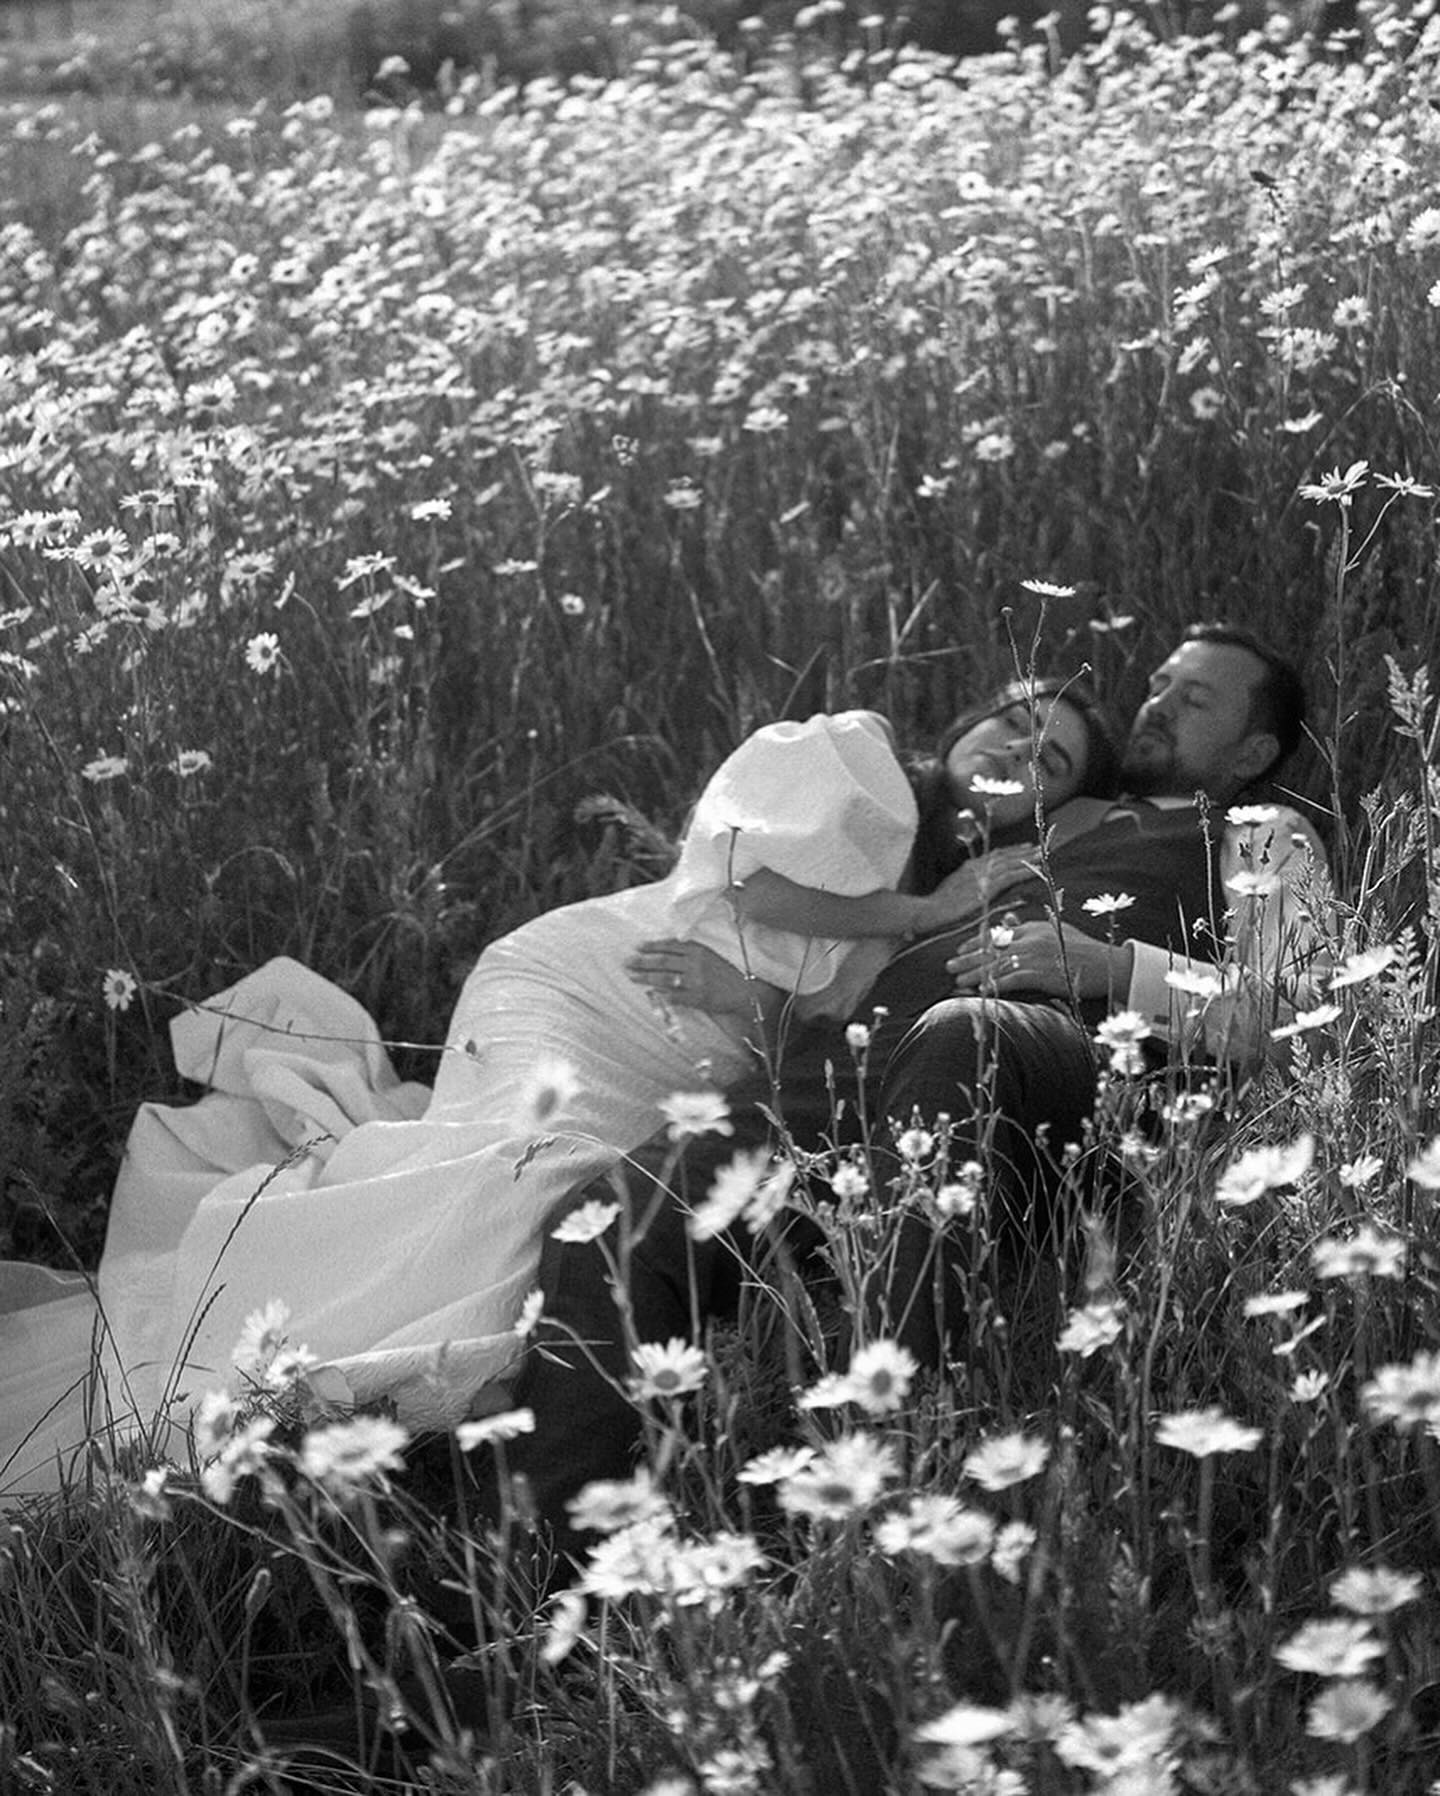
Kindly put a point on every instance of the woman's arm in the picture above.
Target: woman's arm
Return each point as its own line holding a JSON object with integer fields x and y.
{"x": 778, "y": 903}
{"x": 681, "y": 972}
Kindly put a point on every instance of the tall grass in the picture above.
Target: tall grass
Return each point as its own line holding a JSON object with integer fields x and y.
{"x": 379, "y": 491}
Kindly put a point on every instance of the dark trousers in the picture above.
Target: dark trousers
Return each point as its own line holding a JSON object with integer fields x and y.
{"x": 1016, "y": 1080}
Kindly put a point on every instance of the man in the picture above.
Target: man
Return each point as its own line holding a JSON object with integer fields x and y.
{"x": 1131, "y": 911}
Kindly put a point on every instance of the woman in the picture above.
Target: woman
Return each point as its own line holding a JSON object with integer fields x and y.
{"x": 400, "y": 1226}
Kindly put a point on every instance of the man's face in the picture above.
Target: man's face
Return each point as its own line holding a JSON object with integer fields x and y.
{"x": 1193, "y": 732}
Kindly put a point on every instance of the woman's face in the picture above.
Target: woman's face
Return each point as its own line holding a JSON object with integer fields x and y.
{"x": 1022, "y": 747}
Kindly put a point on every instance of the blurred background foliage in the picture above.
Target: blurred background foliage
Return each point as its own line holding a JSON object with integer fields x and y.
{"x": 293, "y": 49}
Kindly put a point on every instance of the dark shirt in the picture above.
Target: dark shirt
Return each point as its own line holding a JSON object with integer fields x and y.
{"x": 1162, "y": 859}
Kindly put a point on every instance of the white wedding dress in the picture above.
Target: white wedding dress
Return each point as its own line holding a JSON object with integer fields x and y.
{"x": 401, "y": 1226}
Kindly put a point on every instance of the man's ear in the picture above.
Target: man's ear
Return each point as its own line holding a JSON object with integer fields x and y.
{"x": 1259, "y": 751}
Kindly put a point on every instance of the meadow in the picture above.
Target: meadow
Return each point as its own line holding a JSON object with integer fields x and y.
{"x": 403, "y": 509}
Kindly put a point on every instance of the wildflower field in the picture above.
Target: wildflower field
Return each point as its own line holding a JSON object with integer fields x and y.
{"x": 402, "y": 511}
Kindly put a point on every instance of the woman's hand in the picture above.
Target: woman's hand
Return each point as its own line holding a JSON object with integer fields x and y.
{"x": 970, "y": 889}
{"x": 685, "y": 973}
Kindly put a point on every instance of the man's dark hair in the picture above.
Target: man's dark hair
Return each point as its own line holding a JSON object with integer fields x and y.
{"x": 1277, "y": 704}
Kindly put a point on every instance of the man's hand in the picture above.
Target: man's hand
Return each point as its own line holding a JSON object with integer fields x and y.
{"x": 1036, "y": 958}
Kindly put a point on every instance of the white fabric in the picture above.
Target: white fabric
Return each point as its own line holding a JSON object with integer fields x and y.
{"x": 759, "y": 810}
{"x": 1279, "y": 923}
{"x": 47, "y": 1331}
{"x": 401, "y": 1227}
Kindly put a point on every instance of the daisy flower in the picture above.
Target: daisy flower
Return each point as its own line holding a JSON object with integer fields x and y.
{"x": 774, "y": 1466}
{"x": 1336, "y": 487}
{"x": 1122, "y": 1034}
{"x": 1354, "y": 1174}
{"x": 262, "y": 1335}
{"x": 689, "y": 1113}
{"x": 914, "y": 1145}
{"x": 668, "y": 1371}
{"x": 938, "y": 1527}
{"x": 1089, "y": 1329}
{"x": 1369, "y": 1251}
{"x": 608, "y": 1505}
{"x": 845, "y": 1476}
{"x": 849, "y": 1183}
{"x": 1206, "y": 1431}
{"x": 880, "y": 1377}
{"x": 347, "y": 1455}
{"x": 586, "y": 1222}
{"x": 735, "y": 1186}
{"x": 119, "y": 988}
{"x": 262, "y": 652}
{"x": 508, "y": 1425}
{"x": 1355, "y": 969}
{"x": 1347, "y": 1709}
{"x": 1006, "y": 1459}
{"x": 1424, "y": 1169}
{"x": 1319, "y": 1018}
{"x": 1337, "y": 1646}
{"x": 1407, "y": 1395}
{"x": 241, "y": 1454}
{"x": 1374, "y": 1589}
{"x": 104, "y": 768}
{"x": 1107, "y": 904}
{"x": 636, "y": 1560}
{"x": 1251, "y": 1174}
{"x": 1141, "y": 1735}
{"x": 565, "y": 1626}
{"x": 967, "y": 1724}
{"x": 1012, "y": 1546}
{"x": 1275, "y": 1303}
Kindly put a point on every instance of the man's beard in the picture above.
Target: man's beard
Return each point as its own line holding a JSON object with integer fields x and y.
{"x": 1149, "y": 774}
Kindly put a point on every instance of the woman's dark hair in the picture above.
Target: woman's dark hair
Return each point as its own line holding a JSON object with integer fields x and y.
{"x": 937, "y": 850}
